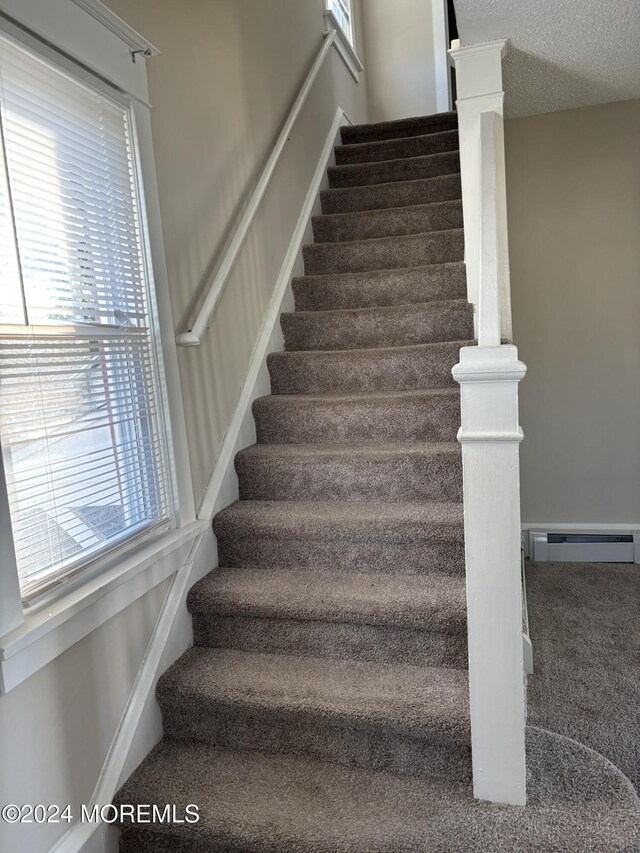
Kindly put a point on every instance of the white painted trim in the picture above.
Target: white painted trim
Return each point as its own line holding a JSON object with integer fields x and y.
{"x": 479, "y": 90}
{"x": 215, "y": 494}
{"x": 80, "y": 834}
{"x": 489, "y": 374}
{"x": 488, "y": 314}
{"x": 117, "y": 26}
{"x": 441, "y": 60}
{"x": 49, "y": 631}
{"x": 175, "y": 423}
{"x": 490, "y": 437}
{"x": 343, "y": 46}
{"x": 11, "y": 615}
{"x": 80, "y": 35}
{"x": 499, "y": 46}
{"x": 220, "y": 277}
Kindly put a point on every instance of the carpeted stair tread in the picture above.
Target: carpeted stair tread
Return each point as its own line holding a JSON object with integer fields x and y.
{"x": 374, "y": 521}
{"x": 421, "y": 366}
{"x": 398, "y": 718}
{"x": 382, "y": 416}
{"x": 389, "y": 222}
{"x": 376, "y": 288}
{"x": 412, "y": 250}
{"x": 399, "y": 128}
{"x": 421, "y": 701}
{"x": 391, "y": 149}
{"x": 393, "y": 194}
{"x": 386, "y": 326}
{"x": 264, "y": 803}
{"x": 365, "y": 616}
{"x": 387, "y": 171}
{"x": 375, "y": 472}
{"x": 355, "y": 598}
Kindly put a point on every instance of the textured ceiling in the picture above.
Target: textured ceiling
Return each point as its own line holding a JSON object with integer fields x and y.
{"x": 563, "y": 53}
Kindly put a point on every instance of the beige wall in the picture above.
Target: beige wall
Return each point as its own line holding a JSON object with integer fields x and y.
{"x": 573, "y": 181}
{"x": 401, "y": 68}
{"x": 56, "y": 727}
{"x": 228, "y": 72}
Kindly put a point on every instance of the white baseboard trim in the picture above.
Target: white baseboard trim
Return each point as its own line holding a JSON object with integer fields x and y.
{"x": 222, "y": 489}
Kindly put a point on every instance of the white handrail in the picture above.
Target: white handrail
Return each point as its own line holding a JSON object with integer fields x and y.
{"x": 194, "y": 336}
{"x": 490, "y": 267}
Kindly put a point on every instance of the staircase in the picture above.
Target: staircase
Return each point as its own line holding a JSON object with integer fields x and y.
{"x": 324, "y": 706}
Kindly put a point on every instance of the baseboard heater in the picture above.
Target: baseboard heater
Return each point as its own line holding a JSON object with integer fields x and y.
{"x": 583, "y": 547}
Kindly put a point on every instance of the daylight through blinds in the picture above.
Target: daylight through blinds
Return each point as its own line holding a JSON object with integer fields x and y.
{"x": 80, "y": 418}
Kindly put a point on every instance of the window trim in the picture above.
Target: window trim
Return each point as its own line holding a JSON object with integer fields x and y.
{"x": 102, "y": 554}
{"x": 328, "y": 9}
{"x": 54, "y": 626}
{"x": 79, "y": 31}
{"x": 345, "y": 48}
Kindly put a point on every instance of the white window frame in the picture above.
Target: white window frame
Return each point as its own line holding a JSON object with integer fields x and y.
{"x": 329, "y": 7}
{"x": 344, "y": 42}
{"x": 87, "y": 32}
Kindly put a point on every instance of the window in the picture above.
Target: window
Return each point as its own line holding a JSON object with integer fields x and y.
{"x": 81, "y": 420}
{"x": 341, "y": 10}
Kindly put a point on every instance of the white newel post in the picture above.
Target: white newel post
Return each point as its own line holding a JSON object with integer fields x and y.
{"x": 490, "y": 435}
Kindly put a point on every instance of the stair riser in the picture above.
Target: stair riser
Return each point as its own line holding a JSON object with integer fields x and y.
{"x": 339, "y": 422}
{"x": 352, "y": 372}
{"x": 389, "y": 171}
{"x": 352, "y": 744}
{"x": 378, "y": 196}
{"x": 392, "y": 480}
{"x": 418, "y": 126}
{"x": 438, "y": 247}
{"x": 393, "y": 149}
{"x": 422, "y": 557}
{"x": 423, "y": 324}
{"x": 336, "y": 640}
{"x": 387, "y": 223}
{"x": 392, "y": 287}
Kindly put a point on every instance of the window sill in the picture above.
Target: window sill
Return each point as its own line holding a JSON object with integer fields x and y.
{"x": 343, "y": 45}
{"x": 49, "y": 629}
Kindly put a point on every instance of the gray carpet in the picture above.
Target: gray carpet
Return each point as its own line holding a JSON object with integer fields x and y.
{"x": 324, "y": 706}
{"x": 585, "y": 627}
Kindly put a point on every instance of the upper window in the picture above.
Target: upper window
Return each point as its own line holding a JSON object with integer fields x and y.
{"x": 341, "y": 10}
{"x": 81, "y": 420}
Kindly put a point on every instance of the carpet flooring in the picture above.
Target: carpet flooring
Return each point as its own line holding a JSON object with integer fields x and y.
{"x": 324, "y": 706}
{"x": 585, "y": 628}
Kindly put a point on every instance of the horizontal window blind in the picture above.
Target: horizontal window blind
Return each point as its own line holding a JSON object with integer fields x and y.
{"x": 80, "y": 408}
